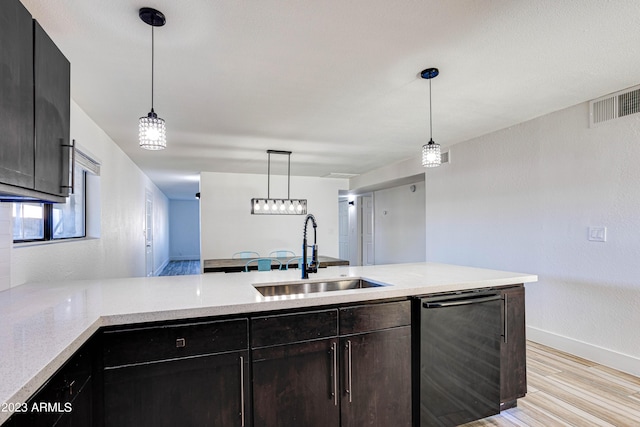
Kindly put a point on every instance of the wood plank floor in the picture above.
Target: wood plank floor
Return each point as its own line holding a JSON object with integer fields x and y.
{"x": 565, "y": 390}
{"x": 181, "y": 268}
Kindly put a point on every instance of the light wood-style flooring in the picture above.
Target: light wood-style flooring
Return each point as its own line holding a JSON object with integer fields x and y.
{"x": 565, "y": 390}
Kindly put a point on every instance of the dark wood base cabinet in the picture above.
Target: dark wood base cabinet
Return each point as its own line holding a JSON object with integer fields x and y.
{"x": 66, "y": 399}
{"x": 188, "y": 375}
{"x": 296, "y": 384}
{"x": 339, "y": 367}
{"x": 202, "y": 391}
{"x": 376, "y": 384}
{"x": 345, "y": 366}
{"x": 513, "y": 369}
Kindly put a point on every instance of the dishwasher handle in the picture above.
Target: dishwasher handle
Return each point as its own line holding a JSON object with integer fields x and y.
{"x": 461, "y": 301}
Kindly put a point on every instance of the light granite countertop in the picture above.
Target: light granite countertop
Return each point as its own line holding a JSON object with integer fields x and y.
{"x": 43, "y": 324}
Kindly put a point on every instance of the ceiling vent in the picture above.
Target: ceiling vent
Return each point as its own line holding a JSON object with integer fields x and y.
{"x": 614, "y": 106}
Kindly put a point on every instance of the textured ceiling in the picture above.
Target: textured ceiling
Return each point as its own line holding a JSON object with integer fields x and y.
{"x": 334, "y": 81}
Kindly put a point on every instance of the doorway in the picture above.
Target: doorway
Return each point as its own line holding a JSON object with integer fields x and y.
{"x": 148, "y": 233}
{"x": 367, "y": 230}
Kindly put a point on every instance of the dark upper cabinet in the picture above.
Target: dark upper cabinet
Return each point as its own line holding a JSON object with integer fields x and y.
{"x": 52, "y": 74}
{"x": 34, "y": 110}
{"x": 513, "y": 369}
{"x": 16, "y": 95}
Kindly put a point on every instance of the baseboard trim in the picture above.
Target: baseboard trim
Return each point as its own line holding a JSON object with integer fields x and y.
{"x": 603, "y": 356}
{"x": 186, "y": 258}
{"x": 159, "y": 269}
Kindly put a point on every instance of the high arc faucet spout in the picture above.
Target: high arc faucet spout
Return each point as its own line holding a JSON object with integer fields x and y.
{"x": 313, "y": 266}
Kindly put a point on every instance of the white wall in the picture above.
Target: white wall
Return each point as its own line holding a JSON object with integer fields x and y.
{"x": 399, "y": 217}
{"x": 119, "y": 252}
{"x": 522, "y": 199}
{"x": 227, "y": 225}
{"x": 184, "y": 230}
{"x": 6, "y": 242}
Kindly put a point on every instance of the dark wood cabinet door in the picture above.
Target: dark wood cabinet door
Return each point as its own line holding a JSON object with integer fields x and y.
{"x": 296, "y": 385}
{"x": 376, "y": 378}
{"x": 52, "y": 115}
{"x": 192, "y": 392}
{"x": 80, "y": 413}
{"x": 66, "y": 399}
{"x": 16, "y": 95}
{"x": 513, "y": 370}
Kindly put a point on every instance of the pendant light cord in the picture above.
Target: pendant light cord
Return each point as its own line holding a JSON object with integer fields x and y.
{"x": 430, "y": 114}
{"x": 152, "y": 63}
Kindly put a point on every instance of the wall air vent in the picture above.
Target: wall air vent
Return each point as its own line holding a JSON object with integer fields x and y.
{"x": 444, "y": 157}
{"x": 614, "y": 106}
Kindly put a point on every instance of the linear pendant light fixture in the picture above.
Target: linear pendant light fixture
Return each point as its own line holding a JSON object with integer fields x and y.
{"x": 271, "y": 206}
{"x": 152, "y": 132}
{"x": 430, "y": 151}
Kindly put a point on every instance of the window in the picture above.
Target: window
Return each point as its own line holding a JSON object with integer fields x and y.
{"x": 46, "y": 221}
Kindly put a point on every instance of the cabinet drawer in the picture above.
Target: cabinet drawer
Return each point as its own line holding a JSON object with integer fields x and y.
{"x": 373, "y": 317}
{"x": 122, "y": 347}
{"x": 289, "y": 328}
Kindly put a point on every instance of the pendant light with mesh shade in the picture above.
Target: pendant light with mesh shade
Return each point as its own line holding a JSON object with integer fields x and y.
{"x": 152, "y": 132}
{"x": 430, "y": 151}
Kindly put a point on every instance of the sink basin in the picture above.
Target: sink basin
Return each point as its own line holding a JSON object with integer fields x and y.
{"x": 301, "y": 288}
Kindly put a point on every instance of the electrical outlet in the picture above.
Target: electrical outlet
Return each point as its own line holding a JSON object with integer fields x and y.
{"x": 598, "y": 234}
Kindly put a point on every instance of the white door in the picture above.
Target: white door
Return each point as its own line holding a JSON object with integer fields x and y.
{"x": 343, "y": 229}
{"x": 148, "y": 233}
{"x": 367, "y": 231}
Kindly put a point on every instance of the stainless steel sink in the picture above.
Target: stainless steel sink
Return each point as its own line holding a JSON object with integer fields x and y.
{"x": 301, "y": 288}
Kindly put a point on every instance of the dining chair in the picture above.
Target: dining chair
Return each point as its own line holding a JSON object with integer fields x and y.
{"x": 297, "y": 262}
{"x": 264, "y": 264}
{"x": 281, "y": 253}
{"x": 246, "y": 254}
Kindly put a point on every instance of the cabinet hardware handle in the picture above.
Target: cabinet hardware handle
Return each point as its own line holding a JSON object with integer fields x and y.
{"x": 334, "y": 373}
{"x": 181, "y": 342}
{"x": 506, "y": 323}
{"x": 71, "y": 384}
{"x": 242, "y": 391}
{"x": 71, "y": 180}
{"x": 349, "y": 372}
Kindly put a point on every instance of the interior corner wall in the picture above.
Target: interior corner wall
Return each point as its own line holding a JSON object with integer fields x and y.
{"x": 523, "y": 199}
{"x": 184, "y": 230}
{"x": 227, "y": 225}
{"x": 399, "y": 224}
{"x": 120, "y": 249}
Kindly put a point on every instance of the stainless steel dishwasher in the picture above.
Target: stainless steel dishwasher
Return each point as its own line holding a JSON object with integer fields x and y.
{"x": 459, "y": 357}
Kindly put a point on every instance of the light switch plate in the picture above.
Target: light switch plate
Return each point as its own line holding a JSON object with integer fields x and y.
{"x": 598, "y": 234}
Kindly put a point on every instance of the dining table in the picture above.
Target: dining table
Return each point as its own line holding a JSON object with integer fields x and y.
{"x": 234, "y": 265}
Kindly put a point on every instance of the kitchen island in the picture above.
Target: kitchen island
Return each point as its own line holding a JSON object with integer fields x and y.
{"x": 44, "y": 324}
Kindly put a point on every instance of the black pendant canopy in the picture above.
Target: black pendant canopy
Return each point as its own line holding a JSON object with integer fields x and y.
{"x": 151, "y": 16}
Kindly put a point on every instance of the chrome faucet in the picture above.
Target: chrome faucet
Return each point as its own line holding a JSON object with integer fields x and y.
{"x": 313, "y": 267}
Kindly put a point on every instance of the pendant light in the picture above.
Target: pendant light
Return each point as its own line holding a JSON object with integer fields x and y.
{"x": 152, "y": 132}
{"x": 430, "y": 151}
{"x": 271, "y": 206}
